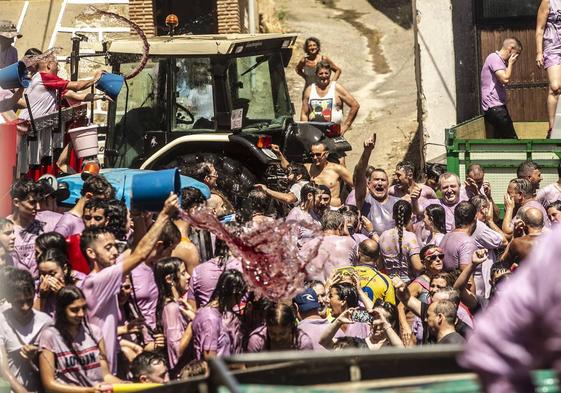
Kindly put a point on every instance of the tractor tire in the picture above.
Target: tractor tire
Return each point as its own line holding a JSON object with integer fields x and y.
{"x": 234, "y": 181}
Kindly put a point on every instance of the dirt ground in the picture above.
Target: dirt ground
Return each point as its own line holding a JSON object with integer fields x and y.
{"x": 372, "y": 41}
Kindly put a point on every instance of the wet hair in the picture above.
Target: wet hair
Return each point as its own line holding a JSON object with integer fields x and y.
{"x": 434, "y": 171}
{"x": 198, "y": 171}
{"x": 347, "y": 293}
{"x": 526, "y": 168}
{"x": 389, "y": 308}
{"x": 89, "y": 236}
{"x": 4, "y": 222}
{"x": 97, "y": 185}
{"x": 19, "y": 281}
{"x": 57, "y": 256}
{"x": 323, "y": 65}
{"x": 553, "y": 205}
{"x": 312, "y": 39}
{"x": 449, "y": 277}
{"x": 97, "y": 203}
{"x": 499, "y": 267}
{"x": 117, "y": 219}
{"x": 170, "y": 234}
{"x": 231, "y": 284}
{"x": 300, "y": 170}
{"x": 438, "y": 216}
{"x": 191, "y": 197}
{"x": 33, "y": 52}
{"x": 142, "y": 364}
{"x": 347, "y": 342}
{"x": 259, "y": 201}
{"x": 332, "y": 220}
{"x": 351, "y": 216}
{"x": 402, "y": 211}
{"x": 282, "y": 315}
{"x": 22, "y": 188}
{"x": 408, "y": 167}
{"x": 163, "y": 268}
{"x": 50, "y": 240}
{"x": 309, "y": 188}
{"x": 464, "y": 214}
{"x": 478, "y": 201}
{"x": 523, "y": 186}
{"x": 324, "y": 189}
{"x": 64, "y": 298}
{"x": 448, "y": 309}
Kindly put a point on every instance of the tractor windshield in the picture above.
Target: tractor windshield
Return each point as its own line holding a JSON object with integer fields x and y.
{"x": 257, "y": 86}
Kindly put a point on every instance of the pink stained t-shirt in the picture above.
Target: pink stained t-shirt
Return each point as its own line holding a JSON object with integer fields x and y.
{"x": 549, "y": 194}
{"x": 205, "y": 276}
{"x": 333, "y": 252}
{"x": 69, "y": 224}
{"x": 389, "y": 249}
{"x": 49, "y": 219}
{"x": 458, "y": 250}
{"x": 210, "y": 334}
{"x": 493, "y": 92}
{"x": 145, "y": 292}
{"x": 23, "y": 256}
{"x": 101, "y": 290}
{"x": 79, "y": 365}
{"x": 314, "y": 328}
{"x": 174, "y": 324}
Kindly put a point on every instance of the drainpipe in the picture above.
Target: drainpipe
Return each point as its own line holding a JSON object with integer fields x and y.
{"x": 418, "y": 75}
{"x": 251, "y": 6}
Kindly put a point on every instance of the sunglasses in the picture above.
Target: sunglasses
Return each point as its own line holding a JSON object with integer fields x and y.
{"x": 434, "y": 257}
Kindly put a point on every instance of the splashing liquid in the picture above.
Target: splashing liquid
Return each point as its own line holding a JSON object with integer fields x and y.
{"x": 272, "y": 263}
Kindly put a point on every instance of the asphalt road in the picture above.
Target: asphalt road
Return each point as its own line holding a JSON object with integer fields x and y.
{"x": 372, "y": 41}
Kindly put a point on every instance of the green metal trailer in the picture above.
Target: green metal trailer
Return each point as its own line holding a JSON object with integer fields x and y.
{"x": 498, "y": 157}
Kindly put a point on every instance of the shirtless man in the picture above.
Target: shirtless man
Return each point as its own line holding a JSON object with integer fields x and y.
{"x": 328, "y": 173}
{"x": 530, "y": 226}
{"x": 323, "y": 101}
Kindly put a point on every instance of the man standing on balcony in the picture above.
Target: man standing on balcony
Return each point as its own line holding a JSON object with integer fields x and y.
{"x": 495, "y": 75}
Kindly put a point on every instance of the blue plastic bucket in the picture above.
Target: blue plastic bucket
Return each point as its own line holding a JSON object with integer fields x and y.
{"x": 14, "y": 76}
{"x": 151, "y": 189}
{"x": 110, "y": 84}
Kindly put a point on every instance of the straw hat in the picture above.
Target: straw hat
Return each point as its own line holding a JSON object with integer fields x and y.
{"x": 9, "y": 30}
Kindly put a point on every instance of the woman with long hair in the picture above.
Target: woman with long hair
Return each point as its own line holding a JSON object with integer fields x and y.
{"x": 216, "y": 330}
{"x": 47, "y": 241}
{"x": 173, "y": 316}
{"x": 54, "y": 274}
{"x": 432, "y": 228}
{"x": 399, "y": 247}
{"x": 280, "y": 332}
{"x": 72, "y": 353}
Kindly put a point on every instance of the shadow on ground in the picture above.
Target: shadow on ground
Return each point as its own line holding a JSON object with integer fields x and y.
{"x": 399, "y": 11}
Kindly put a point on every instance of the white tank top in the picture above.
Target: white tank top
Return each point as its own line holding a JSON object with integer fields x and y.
{"x": 324, "y": 109}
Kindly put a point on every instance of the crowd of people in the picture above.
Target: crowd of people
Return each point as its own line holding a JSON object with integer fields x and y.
{"x": 95, "y": 294}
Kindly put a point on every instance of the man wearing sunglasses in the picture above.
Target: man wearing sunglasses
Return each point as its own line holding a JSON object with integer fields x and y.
{"x": 328, "y": 173}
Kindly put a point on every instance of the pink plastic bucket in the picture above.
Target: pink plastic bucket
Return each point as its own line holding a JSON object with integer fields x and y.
{"x": 84, "y": 140}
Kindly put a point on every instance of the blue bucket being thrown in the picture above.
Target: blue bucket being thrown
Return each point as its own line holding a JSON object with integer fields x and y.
{"x": 110, "y": 84}
{"x": 14, "y": 76}
{"x": 151, "y": 188}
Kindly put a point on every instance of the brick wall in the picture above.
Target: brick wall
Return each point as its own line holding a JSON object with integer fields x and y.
{"x": 228, "y": 16}
{"x": 141, "y": 13}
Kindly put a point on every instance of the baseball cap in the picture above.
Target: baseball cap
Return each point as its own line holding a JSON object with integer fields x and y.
{"x": 307, "y": 300}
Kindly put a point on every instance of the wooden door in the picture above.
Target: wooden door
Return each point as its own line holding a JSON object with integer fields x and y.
{"x": 527, "y": 92}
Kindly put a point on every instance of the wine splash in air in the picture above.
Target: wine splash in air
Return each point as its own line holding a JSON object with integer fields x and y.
{"x": 272, "y": 263}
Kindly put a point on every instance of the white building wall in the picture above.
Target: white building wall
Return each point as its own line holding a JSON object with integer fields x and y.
{"x": 438, "y": 80}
